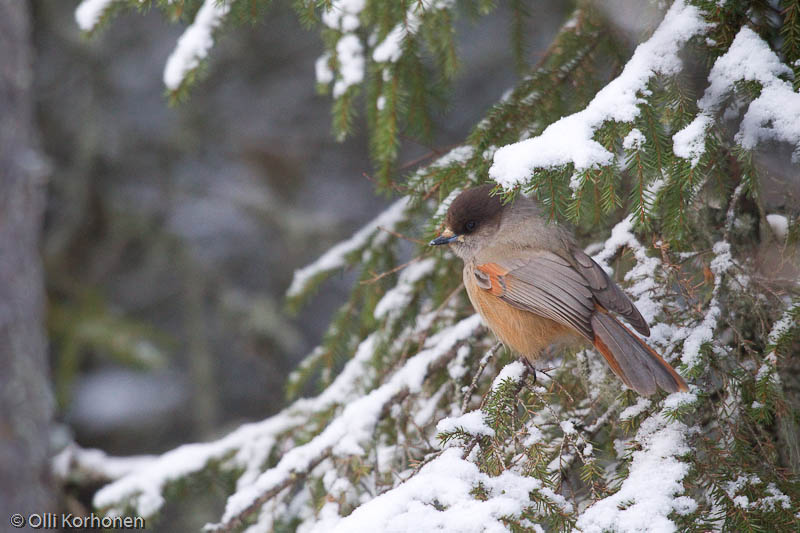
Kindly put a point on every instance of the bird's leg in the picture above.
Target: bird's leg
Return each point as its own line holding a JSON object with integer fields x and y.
{"x": 529, "y": 365}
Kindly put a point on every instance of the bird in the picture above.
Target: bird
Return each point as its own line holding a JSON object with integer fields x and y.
{"x": 535, "y": 287}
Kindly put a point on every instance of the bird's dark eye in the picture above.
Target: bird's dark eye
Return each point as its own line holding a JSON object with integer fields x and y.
{"x": 470, "y": 225}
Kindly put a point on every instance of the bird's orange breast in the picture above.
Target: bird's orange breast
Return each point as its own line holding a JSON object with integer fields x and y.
{"x": 524, "y": 332}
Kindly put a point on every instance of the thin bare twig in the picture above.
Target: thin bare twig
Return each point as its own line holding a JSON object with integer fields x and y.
{"x": 546, "y": 371}
{"x": 432, "y": 190}
{"x": 382, "y": 275}
{"x": 436, "y": 312}
{"x": 392, "y": 184}
{"x": 477, "y": 376}
{"x": 404, "y": 237}
{"x": 447, "y": 299}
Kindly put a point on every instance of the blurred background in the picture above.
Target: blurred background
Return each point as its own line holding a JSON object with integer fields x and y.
{"x": 171, "y": 234}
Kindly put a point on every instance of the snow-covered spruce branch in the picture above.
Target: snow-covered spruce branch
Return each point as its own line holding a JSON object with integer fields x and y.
{"x": 193, "y": 45}
{"x": 82, "y": 465}
{"x": 441, "y": 494}
{"x": 749, "y": 58}
{"x": 570, "y": 141}
{"x": 388, "y": 64}
{"x": 344, "y": 64}
{"x": 653, "y": 488}
{"x": 90, "y": 13}
{"x": 346, "y": 434}
{"x": 767, "y": 377}
{"x": 142, "y": 489}
{"x": 703, "y": 331}
{"x": 246, "y": 448}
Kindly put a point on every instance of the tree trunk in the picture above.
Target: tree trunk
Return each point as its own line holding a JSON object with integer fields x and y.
{"x": 26, "y": 404}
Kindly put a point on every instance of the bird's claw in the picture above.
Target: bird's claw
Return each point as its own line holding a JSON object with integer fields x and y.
{"x": 531, "y": 369}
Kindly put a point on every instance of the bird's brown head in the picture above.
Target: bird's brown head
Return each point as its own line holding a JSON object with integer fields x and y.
{"x": 471, "y": 220}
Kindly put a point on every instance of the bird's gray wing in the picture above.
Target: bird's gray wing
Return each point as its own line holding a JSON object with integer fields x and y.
{"x": 608, "y": 293}
{"x": 544, "y": 284}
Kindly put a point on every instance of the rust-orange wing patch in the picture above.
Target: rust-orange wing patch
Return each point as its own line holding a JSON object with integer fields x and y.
{"x": 494, "y": 272}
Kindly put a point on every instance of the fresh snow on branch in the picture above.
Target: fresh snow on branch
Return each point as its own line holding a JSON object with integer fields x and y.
{"x": 350, "y": 53}
{"x": 704, "y": 331}
{"x": 89, "y": 12}
{"x": 779, "y": 225}
{"x": 653, "y": 488}
{"x": 513, "y": 371}
{"x": 342, "y": 15}
{"x": 397, "y": 298}
{"x": 96, "y": 464}
{"x": 782, "y": 325}
{"x": 345, "y": 435}
{"x": 690, "y": 142}
{"x": 440, "y": 498}
{"x": 195, "y": 43}
{"x": 773, "y": 115}
{"x": 472, "y": 422}
{"x": 775, "y": 498}
{"x": 767, "y": 372}
{"x": 390, "y": 49}
{"x": 143, "y": 489}
{"x": 641, "y": 405}
{"x": 570, "y": 139}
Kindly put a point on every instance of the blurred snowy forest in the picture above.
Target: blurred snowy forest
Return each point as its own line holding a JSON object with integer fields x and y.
{"x": 196, "y": 189}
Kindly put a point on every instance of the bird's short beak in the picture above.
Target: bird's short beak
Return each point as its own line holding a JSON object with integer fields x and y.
{"x": 446, "y": 237}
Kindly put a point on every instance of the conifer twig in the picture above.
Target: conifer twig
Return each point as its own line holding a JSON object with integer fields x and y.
{"x": 404, "y": 237}
{"x": 391, "y": 271}
{"x": 484, "y": 361}
{"x": 526, "y": 371}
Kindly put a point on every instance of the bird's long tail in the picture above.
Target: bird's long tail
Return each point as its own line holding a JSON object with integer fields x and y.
{"x": 633, "y": 361}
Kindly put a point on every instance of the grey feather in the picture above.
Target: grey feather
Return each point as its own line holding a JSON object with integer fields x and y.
{"x": 608, "y": 293}
{"x": 482, "y": 279}
{"x": 641, "y": 371}
{"x": 549, "y": 286}
{"x": 541, "y": 303}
